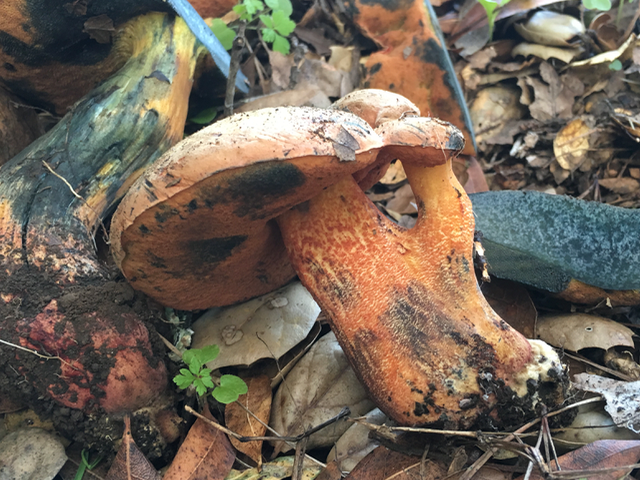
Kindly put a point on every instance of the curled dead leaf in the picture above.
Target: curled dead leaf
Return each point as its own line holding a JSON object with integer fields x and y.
{"x": 579, "y": 330}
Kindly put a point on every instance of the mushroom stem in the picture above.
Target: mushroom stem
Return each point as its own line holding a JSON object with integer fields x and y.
{"x": 405, "y": 304}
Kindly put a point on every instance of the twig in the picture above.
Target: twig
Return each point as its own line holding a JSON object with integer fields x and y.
{"x": 38, "y": 354}
{"x": 236, "y": 53}
{"x": 170, "y": 346}
{"x": 241, "y": 438}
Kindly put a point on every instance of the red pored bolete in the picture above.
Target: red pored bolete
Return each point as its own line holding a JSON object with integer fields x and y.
{"x": 404, "y": 304}
{"x": 56, "y": 296}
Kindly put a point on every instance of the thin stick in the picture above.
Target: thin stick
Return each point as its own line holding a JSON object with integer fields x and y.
{"x": 236, "y": 52}
{"x": 241, "y": 438}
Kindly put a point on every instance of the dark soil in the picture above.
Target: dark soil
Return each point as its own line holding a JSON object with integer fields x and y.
{"x": 25, "y": 376}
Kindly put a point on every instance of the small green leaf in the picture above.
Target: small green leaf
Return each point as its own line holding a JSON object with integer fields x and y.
{"x": 269, "y": 35}
{"x": 194, "y": 365}
{"x": 225, "y": 34}
{"x": 205, "y": 116}
{"x": 241, "y": 10}
{"x": 281, "y": 44}
{"x": 201, "y": 389}
{"x": 253, "y": 6}
{"x": 616, "y": 65}
{"x": 231, "y": 387}
{"x": 285, "y": 7}
{"x": 206, "y": 354}
{"x": 207, "y": 381}
{"x": 268, "y": 22}
{"x": 282, "y": 23}
{"x": 604, "y": 5}
{"x": 184, "y": 379}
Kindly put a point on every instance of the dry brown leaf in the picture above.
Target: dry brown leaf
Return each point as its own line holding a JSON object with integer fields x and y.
{"x": 476, "y": 182}
{"x": 265, "y": 327}
{"x": 554, "y": 98}
{"x": 550, "y": 28}
{"x": 320, "y": 385}
{"x": 620, "y": 185}
{"x": 545, "y": 52}
{"x": 601, "y": 454}
{"x": 512, "y": 302}
{"x": 258, "y": 401}
{"x": 403, "y": 202}
{"x": 394, "y": 174}
{"x": 130, "y": 463}
{"x": 385, "y": 464}
{"x": 100, "y": 28}
{"x": 355, "y": 443}
{"x": 576, "y": 331}
{"x": 300, "y": 97}
{"x": 571, "y": 145}
{"x": 593, "y": 425}
{"x": 205, "y": 453}
{"x": 494, "y": 110}
{"x": 487, "y": 473}
{"x": 623, "y": 362}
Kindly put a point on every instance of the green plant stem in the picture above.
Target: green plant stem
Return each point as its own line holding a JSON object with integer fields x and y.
{"x": 85, "y": 465}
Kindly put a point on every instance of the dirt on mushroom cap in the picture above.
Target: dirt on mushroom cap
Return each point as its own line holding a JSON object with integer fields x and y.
{"x": 195, "y": 230}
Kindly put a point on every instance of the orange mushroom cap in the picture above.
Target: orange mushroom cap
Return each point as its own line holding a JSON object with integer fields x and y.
{"x": 195, "y": 231}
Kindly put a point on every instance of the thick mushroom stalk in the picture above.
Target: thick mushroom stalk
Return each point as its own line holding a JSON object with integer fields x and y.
{"x": 405, "y": 304}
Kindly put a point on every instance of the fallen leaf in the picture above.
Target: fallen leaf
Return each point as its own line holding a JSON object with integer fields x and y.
{"x": 620, "y": 185}
{"x": 476, "y": 182}
{"x": 554, "y": 98}
{"x": 31, "y": 453}
{"x": 403, "y": 202}
{"x": 320, "y": 385}
{"x": 571, "y": 144}
{"x": 258, "y": 401}
{"x": 278, "y": 469}
{"x": 593, "y": 425}
{"x": 622, "y": 362}
{"x": 550, "y": 28}
{"x": 265, "y": 327}
{"x": 100, "y": 28}
{"x": 576, "y": 331}
{"x": 545, "y": 52}
{"x": 130, "y": 462}
{"x": 601, "y": 454}
{"x": 621, "y": 397}
{"x": 205, "y": 453}
{"x": 513, "y": 303}
{"x": 385, "y": 464}
{"x": 394, "y": 174}
{"x": 493, "y": 110}
{"x": 355, "y": 443}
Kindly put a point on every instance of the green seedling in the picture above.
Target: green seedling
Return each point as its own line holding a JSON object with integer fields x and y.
{"x": 228, "y": 388}
{"x": 616, "y": 65}
{"x": 206, "y": 116}
{"x": 85, "y": 464}
{"x": 491, "y": 6}
{"x": 604, "y": 5}
{"x": 271, "y": 17}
